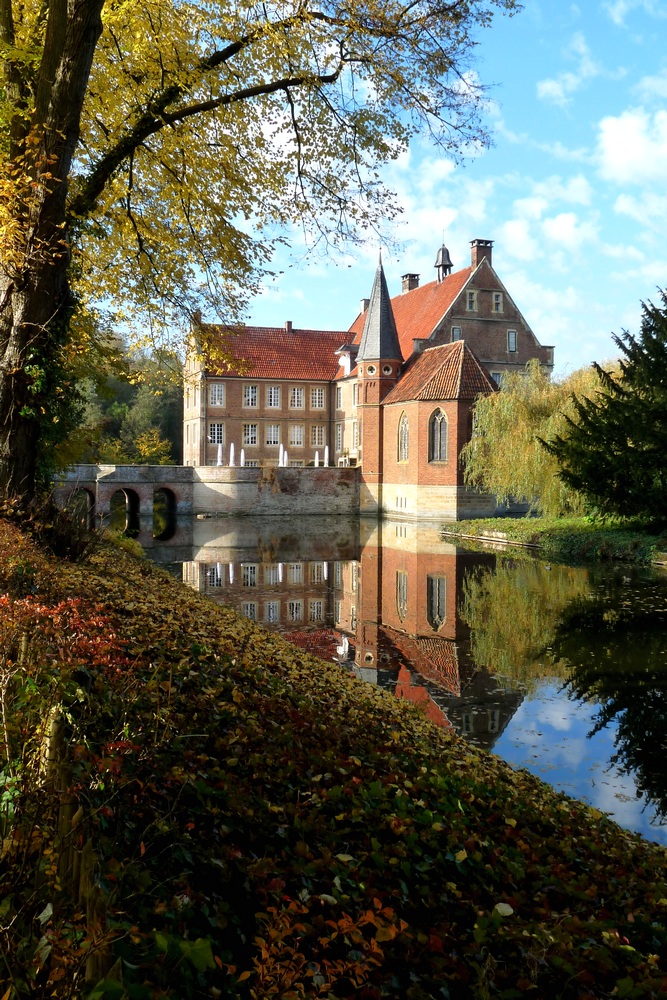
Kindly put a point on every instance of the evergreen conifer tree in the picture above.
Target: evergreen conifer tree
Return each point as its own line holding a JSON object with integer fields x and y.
{"x": 615, "y": 449}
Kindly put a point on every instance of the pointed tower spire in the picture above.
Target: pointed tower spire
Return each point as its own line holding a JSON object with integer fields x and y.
{"x": 379, "y": 339}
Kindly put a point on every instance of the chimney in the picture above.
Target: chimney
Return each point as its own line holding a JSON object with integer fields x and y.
{"x": 288, "y": 326}
{"x": 480, "y": 249}
{"x": 364, "y": 305}
{"x": 408, "y": 282}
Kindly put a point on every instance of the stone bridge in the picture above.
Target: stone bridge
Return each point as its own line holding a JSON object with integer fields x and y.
{"x": 211, "y": 490}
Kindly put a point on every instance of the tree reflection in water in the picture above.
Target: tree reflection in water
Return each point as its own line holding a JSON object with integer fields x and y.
{"x": 616, "y": 652}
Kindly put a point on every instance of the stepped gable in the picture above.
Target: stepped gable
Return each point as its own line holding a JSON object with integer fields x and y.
{"x": 278, "y": 353}
{"x": 417, "y": 313}
{"x": 450, "y": 371}
{"x": 379, "y": 338}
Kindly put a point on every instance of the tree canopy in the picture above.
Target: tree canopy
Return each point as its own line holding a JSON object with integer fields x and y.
{"x": 613, "y": 447}
{"x": 151, "y": 152}
{"x": 505, "y": 456}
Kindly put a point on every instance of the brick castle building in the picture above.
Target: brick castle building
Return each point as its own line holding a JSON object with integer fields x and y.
{"x": 393, "y": 394}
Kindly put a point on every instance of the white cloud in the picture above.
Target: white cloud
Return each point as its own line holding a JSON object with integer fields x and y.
{"x": 517, "y": 240}
{"x": 568, "y": 232}
{"x": 653, "y": 87}
{"x": 559, "y": 90}
{"x": 618, "y": 9}
{"x": 632, "y": 147}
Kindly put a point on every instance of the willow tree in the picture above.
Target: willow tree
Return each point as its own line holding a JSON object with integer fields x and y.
{"x": 505, "y": 455}
{"x": 151, "y": 150}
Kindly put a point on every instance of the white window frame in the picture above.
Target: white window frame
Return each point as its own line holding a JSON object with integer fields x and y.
{"x": 295, "y": 611}
{"x": 315, "y": 610}
{"x": 216, "y": 433}
{"x": 317, "y": 435}
{"x": 249, "y": 435}
{"x": 317, "y": 398}
{"x": 512, "y": 341}
{"x": 295, "y": 573}
{"x": 339, "y": 436}
{"x": 471, "y": 301}
{"x": 296, "y": 397}
{"x": 216, "y": 394}
{"x": 271, "y": 611}
{"x": 273, "y": 397}
{"x": 498, "y": 302}
{"x": 249, "y": 610}
{"x": 250, "y": 397}
{"x": 249, "y": 574}
{"x": 272, "y": 436}
{"x": 295, "y": 435}
{"x": 339, "y": 397}
{"x": 271, "y": 574}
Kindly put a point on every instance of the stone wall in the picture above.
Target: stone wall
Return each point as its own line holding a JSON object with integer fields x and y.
{"x": 275, "y": 491}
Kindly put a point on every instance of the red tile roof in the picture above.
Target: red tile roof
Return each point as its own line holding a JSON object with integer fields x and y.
{"x": 273, "y": 352}
{"x": 417, "y": 313}
{"x": 450, "y": 371}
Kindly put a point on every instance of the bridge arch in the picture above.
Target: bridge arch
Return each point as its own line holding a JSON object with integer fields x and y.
{"x": 125, "y": 510}
{"x": 81, "y": 504}
{"x": 165, "y": 509}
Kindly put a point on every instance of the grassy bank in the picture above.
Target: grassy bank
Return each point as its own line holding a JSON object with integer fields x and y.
{"x": 569, "y": 539}
{"x": 195, "y": 808}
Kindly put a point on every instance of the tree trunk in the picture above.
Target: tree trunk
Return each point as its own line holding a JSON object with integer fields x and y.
{"x": 35, "y": 301}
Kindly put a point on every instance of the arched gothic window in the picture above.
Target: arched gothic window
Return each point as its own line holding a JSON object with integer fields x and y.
{"x": 437, "y": 437}
{"x": 403, "y": 438}
{"x": 436, "y": 600}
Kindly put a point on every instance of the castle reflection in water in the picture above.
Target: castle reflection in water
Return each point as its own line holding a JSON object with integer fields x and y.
{"x": 380, "y": 598}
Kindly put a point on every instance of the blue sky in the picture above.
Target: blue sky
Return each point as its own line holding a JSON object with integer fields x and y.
{"x": 573, "y": 192}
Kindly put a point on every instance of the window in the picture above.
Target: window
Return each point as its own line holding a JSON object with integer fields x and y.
{"x": 271, "y": 574}
{"x": 317, "y": 399}
{"x": 315, "y": 611}
{"x": 471, "y": 302}
{"x": 436, "y": 600}
{"x": 214, "y": 575}
{"x": 216, "y": 394}
{"x": 355, "y": 394}
{"x": 456, "y": 333}
{"x": 403, "y": 438}
{"x": 317, "y": 574}
{"x": 294, "y": 611}
{"x": 355, "y": 435}
{"x": 249, "y": 434}
{"x": 353, "y": 619}
{"x": 339, "y": 397}
{"x": 216, "y": 433}
{"x": 401, "y": 593}
{"x": 497, "y": 376}
{"x": 187, "y": 433}
{"x": 317, "y": 435}
{"x": 249, "y": 610}
{"x": 187, "y": 399}
{"x": 494, "y": 720}
{"x": 272, "y": 611}
{"x": 249, "y": 575}
{"x": 273, "y": 396}
{"x": 296, "y": 435}
{"x": 437, "y": 437}
{"x": 251, "y": 463}
{"x": 511, "y": 340}
{"x": 354, "y": 572}
{"x": 295, "y": 572}
{"x": 296, "y": 397}
{"x": 250, "y": 395}
{"x": 273, "y": 433}
{"x": 497, "y": 302}
{"x": 296, "y": 463}
{"x": 339, "y": 437}
{"x": 338, "y": 574}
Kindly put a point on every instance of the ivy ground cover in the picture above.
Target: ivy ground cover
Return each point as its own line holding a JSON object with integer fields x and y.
{"x": 264, "y": 825}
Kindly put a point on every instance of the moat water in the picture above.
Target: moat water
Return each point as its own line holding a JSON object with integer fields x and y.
{"x": 558, "y": 669}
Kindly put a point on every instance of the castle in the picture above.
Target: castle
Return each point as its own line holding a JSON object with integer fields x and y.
{"x": 393, "y": 395}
